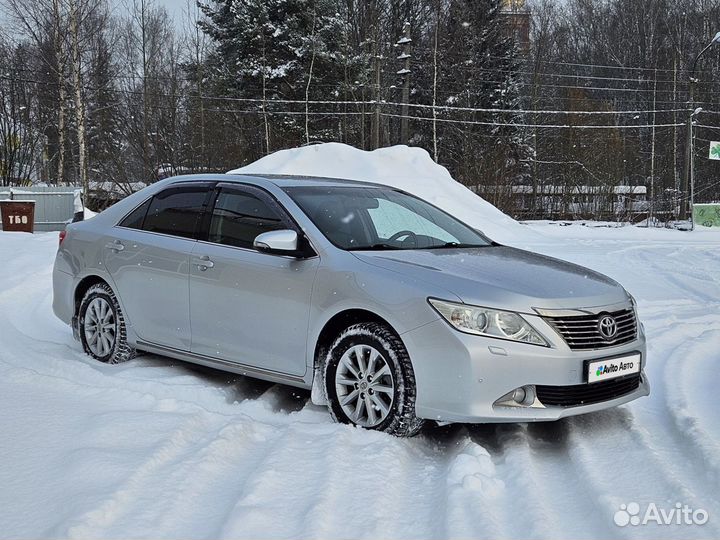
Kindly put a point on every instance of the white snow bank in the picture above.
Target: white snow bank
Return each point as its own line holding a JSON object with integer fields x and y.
{"x": 407, "y": 168}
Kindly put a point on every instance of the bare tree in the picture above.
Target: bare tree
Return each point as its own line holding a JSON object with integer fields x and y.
{"x": 37, "y": 20}
{"x": 310, "y": 76}
{"x": 78, "y": 10}
{"x": 196, "y": 48}
{"x": 21, "y": 131}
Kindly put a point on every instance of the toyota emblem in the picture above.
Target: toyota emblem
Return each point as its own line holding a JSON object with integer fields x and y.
{"x": 607, "y": 326}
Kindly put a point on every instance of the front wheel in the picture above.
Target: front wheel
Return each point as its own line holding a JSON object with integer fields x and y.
{"x": 370, "y": 381}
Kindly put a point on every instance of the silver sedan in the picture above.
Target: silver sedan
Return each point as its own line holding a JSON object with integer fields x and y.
{"x": 392, "y": 311}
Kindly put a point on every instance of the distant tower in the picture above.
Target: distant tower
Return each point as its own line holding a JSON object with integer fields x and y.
{"x": 517, "y": 15}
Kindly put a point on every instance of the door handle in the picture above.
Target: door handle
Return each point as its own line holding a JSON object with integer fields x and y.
{"x": 203, "y": 263}
{"x": 115, "y": 246}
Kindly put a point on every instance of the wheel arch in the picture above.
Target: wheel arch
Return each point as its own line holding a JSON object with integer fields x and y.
{"x": 83, "y": 286}
{"x": 330, "y": 330}
{"x": 404, "y": 422}
{"x": 339, "y": 322}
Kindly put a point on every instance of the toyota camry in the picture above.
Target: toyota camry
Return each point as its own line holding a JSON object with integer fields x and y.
{"x": 389, "y": 309}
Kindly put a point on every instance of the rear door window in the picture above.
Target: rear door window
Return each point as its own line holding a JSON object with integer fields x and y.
{"x": 135, "y": 219}
{"x": 240, "y": 216}
{"x": 176, "y": 211}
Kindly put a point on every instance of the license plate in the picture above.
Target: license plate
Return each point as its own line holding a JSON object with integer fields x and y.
{"x": 611, "y": 368}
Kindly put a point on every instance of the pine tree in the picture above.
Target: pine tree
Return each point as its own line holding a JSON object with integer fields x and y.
{"x": 480, "y": 66}
{"x": 276, "y": 49}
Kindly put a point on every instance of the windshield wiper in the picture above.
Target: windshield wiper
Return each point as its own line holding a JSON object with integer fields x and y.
{"x": 374, "y": 247}
{"x": 458, "y": 245}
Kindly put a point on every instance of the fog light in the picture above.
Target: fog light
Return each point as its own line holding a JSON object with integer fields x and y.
{"x": 520, "y": 397}
{"x": 529, "y": 395}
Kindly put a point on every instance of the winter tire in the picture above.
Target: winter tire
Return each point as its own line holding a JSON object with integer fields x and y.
{"x": 370, "y": 381}
{"x": 102, "y": 326}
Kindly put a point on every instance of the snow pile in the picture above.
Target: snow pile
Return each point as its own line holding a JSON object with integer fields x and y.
{"x": 407, "y": 168}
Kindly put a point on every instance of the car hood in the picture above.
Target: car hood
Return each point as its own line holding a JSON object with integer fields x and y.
{"x": 503, "y": 277}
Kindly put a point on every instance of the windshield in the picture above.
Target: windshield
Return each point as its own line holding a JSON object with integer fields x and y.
{"x": 369, "y": 218}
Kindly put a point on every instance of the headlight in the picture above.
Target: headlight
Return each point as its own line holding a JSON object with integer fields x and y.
{"x": 488, "y": 322}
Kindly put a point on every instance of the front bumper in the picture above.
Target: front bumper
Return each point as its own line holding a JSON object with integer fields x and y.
{"x": 460, "y": 377}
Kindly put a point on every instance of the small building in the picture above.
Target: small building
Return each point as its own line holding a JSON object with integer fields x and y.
{"x": 569, "y": 202}
{"x": 104, "y": 194}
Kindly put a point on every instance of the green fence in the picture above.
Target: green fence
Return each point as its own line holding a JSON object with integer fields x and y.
{"x": 707, "y": 215}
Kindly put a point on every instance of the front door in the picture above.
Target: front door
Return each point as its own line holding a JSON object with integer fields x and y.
{"x": 247, "y": 306}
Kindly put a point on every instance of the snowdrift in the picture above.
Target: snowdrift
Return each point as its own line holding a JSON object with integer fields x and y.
{"x": 403, "y": 167}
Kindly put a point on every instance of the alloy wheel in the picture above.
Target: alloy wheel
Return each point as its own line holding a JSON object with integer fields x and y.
{"x": 364, "y": 385}
{"x": 100, "y": 327}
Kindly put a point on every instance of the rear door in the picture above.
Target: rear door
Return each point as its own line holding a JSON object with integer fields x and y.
{"x": 246, "y": 306}
{"x": 148, "y": 258}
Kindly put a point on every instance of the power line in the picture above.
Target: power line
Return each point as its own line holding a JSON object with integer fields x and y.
{"x": 602, "y": 66}
{"x": 272, "y": 101}
{"x": 515, "y": 124}
{"x": 680, "y": 81}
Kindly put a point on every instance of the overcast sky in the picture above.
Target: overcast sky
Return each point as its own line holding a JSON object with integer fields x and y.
{"x": 175, "y": 8}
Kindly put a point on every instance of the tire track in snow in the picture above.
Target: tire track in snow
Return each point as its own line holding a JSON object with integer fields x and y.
{"x": 133, "y": 498}
{"x": 211, "y": 473}
{"x": 686, "y": 421}
{"x": 677, "y": 347}
{"x": 636, "y": 473}
{"x": 282, "y": 483}
{"x": 409, "y": 478}
{"x": 474, "y": 492}
{"x": 331, "y": 480}
{"x": 533, "y": 459}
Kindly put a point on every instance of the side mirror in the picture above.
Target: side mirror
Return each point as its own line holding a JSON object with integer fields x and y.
{"x": 284, "y": 241}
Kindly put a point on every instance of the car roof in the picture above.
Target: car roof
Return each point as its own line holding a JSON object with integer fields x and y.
{"x": 279, "y": 180}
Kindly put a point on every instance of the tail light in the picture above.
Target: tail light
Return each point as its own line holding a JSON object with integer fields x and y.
{"x": 63, "y": 234}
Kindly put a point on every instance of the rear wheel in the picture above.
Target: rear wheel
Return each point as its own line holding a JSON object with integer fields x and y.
{"x": 102, "y": 326}
{"x": 370, "y": 381}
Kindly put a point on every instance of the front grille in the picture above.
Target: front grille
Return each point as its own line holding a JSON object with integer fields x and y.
{"x": 584, "y": 394}
{"x": 583, "y": 332}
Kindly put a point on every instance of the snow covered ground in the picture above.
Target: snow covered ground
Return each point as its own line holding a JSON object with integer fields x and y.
{"x": 157, "y": 449}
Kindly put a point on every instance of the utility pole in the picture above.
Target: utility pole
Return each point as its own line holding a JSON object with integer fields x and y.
{"x": 687, "y": 178}
{"x": 405, "y": 72}
{"x": 435, "y": 81}
{"x": 652, "y": 158}
{"x": 676, "y": 172}
{"x": 691, "y": 174}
